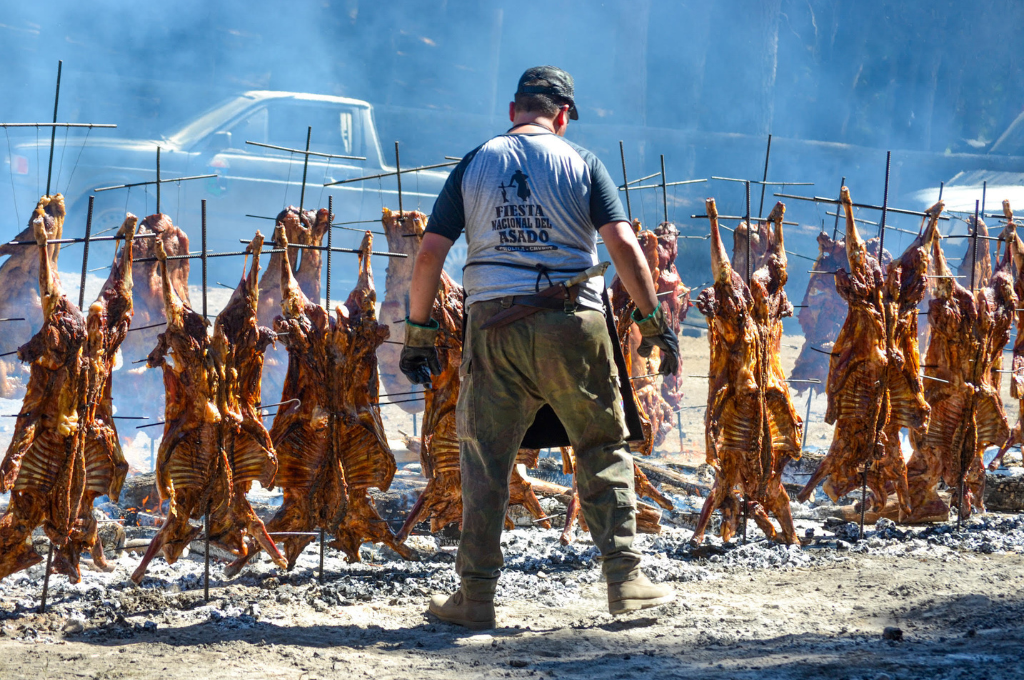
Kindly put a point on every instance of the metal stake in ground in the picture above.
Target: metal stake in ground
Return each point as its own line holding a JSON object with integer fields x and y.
{"x": 664, "y": 188}
{"x": 625, "y": 182}
{"x": 158, "y": 181}
{"x": 764, "y": 178}
{"x": 330, "y": 216}
{"x": 835, "y": 227}
{"x": 320, "y": 574}
{"x": 85, "y": 252}
{"x": 398, "y": 176}
{"x": 807, "y": 418}
{"x": 46, "y": 578}
{"x": 305, "y": 168}
{"x": 206, "y": 556}
{"x": 203, "y": 257}
{"x": 53, "y": 130}
{"x": 750, "y": 258}
{"x": 881, "y": 249}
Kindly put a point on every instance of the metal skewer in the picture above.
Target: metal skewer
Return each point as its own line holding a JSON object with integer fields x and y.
{"x": 49, "y": 170}
{"x": 625, "y": 183}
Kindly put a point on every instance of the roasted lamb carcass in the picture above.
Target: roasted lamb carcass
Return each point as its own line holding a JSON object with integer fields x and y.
{"x": 403, "y": 232}
{"x": 968, "y": 332}
{"x": 148, "y": 299}
{"x": 107, "y": 326}
{"x": 760, "y": 245}
{"x": 874, "y": 386}
{"x": 356, "y": 425}
{"x": 675, "y": 299}
{"x": 192, "y": 471}
{"x": 330, "y": 441}
{"x": 979, "y": 254}
{"x": 655, "y": 413}
{"x": 45, "y": 466}
{"x": 822, "y": 310}
{"x": 1015, "y": 248}
{"x": 237, "y": 348}
{"x": 441, "y": 501}
{"x": 752, "y": 429}
{"x": 298, "y": 228}
{"x": 19, "y": 277}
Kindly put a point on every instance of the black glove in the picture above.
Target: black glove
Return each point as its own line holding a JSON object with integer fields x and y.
{"x": 419, "y": 358}
{"x": 656, "y": 333}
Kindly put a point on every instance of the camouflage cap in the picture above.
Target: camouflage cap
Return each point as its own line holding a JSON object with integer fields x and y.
{"x": 559, "y": 84}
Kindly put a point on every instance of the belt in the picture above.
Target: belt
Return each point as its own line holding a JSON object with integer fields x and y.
{"x": 515, "y": 307}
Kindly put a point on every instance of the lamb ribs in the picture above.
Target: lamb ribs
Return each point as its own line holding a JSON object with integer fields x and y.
{"x": 331, "y": 444}
{"x": 968, "y": 332}
{"x": 874, "y": 387}
{"x": 752, "y": 429}
{"x": 822, "y": 310}
{"x": 148, "y": 299}
{"x": 45, "y": 465}
{"x": 107, "y": 324}
{"x": 19, "y": 276}
{"x": 195, "y": 464}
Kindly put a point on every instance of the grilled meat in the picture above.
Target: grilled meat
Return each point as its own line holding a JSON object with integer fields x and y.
{"x": 403, "y": 232}
{"x": 981, "y": 257}
{"x": 19, "y": 276}
{"x": 365, "y": 454}
{"x": 298, "y": 228}
{"x": 238, "y": 345}
{"x": 655, "y": 413}
{"x": 675, "y": 299}
{"x": 45, "y": 465}
{"x": 968, "y": 332}
{"x": 148, "y": 300}
{"x": 105, "y": 467}
{"x": 874, "y": 386}
{"x": 330, "y": 441}
{"x": 1015, "y": 249}
{"x": 753, "y": 430}
{"x": 441, "y": 500}
{"x": 823, "y": 310}
{"x": 192, "y": 471}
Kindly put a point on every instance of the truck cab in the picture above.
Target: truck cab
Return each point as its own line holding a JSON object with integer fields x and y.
{"x": 251, "y": 180}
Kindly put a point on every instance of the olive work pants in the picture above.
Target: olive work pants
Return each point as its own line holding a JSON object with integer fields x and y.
{"x": 508, "y": 374}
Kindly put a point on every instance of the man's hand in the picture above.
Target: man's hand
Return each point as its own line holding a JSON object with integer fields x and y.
{"x": 656, "y": 333}
{"x": 419, "y": 357}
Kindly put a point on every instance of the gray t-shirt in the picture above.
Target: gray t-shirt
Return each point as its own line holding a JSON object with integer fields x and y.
{"x": 531, "y": 205}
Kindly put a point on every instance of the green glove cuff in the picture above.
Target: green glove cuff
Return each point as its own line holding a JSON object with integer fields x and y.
{"x": 421, "y": 336}
{"x": 652, "y": 324}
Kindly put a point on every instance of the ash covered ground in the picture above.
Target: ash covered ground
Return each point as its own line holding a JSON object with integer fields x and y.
{"x": 933, "y": 601}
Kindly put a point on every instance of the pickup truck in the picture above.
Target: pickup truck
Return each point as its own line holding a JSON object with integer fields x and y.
{"x": 251, "y": 180}
{"x": 999, "y": 179}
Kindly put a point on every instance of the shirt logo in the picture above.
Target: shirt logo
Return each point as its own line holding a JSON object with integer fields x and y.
{"x": 519, "y": 179}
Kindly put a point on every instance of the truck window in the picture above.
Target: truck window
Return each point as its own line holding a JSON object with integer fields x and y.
{"x": 252, "y": 128}
{"x": 334, "y": 127}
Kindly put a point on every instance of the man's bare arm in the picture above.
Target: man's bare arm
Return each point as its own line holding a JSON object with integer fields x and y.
{"x": 426, "y": 276}
{"x": 630, "y": 264}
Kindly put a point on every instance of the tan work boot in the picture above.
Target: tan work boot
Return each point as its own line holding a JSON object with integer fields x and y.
{"x": 462, "y": 611}
{"x": 640, "y": 593}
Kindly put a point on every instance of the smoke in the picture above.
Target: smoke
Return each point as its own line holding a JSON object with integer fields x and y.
{"x": 703, "y": 83}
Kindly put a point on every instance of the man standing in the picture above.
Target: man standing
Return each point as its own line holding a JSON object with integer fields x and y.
{"x": 531, "y": 341}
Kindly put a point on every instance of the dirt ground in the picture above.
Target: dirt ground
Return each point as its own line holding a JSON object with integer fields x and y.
{"x": 960, "y": 618}
{"x": 960, "y": 613}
